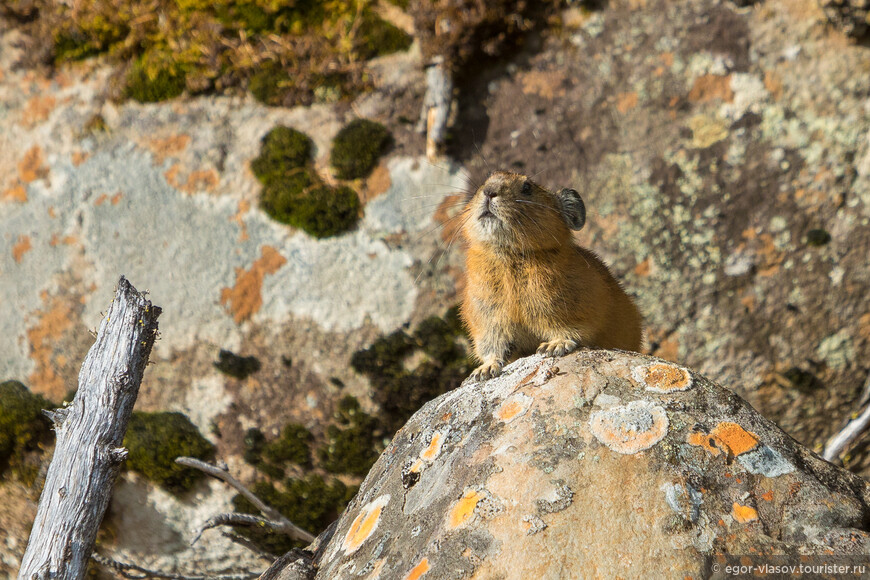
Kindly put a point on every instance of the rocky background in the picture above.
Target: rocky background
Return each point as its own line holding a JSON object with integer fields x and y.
{"x": 722, "y": 149}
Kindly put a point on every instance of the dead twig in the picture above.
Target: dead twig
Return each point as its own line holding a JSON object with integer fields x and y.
{"x": 852, "y": 430}
{"x": 135, "y": 572}
{"x": 278, "y": 522}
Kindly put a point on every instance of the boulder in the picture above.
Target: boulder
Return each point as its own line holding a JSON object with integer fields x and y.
{"x": 600, "y": 463}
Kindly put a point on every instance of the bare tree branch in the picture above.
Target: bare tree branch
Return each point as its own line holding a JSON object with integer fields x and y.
{"x": 135, "y": 572}
{"x": 852, "y": 430}
{"x": 88, "y": 454}
{"x": 247, "y": 520}
{"x": 279, "y": 522}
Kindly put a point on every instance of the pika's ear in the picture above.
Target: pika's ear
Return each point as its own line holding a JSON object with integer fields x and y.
{"x": 573, "y": 209}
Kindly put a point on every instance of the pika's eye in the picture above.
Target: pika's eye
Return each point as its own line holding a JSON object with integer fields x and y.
{"x": 527, "y": 188}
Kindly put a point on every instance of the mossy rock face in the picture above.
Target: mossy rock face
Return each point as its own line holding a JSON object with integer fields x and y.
{"x": 379, "y": 37}
{"x": 351, "y": 446}
{"x": 357, "y": 147}
{"x": 293, "y": 446}
{"x": 239, "y": 367}
{"x": 22, "y": 424}
{"x": 148, "y": 86}
{"x": 400, "y": 391}
{"x": 282, "y": 150}
{"x": 155, "y": 440}
{"x": 270, "y": 84}
{"x": 303, "y": 201}
{"x": 310, "y": 503}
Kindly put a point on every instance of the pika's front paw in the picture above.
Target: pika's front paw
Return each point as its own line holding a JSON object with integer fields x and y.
{"x": 486, "y": 371}
{"x": 558, "y": 347}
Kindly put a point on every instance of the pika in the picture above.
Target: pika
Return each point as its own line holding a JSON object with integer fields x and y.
{"x": 529, "y": 285}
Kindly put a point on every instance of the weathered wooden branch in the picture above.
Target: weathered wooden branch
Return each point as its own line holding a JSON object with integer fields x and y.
{"x": 279, "y": 523}
{"x": 90, "y": 431}
{"x": 852, "y": 430}
{"x": 436, "y": 106}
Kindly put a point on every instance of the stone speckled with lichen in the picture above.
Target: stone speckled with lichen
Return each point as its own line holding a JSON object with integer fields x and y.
{"x": 484, "y": 506}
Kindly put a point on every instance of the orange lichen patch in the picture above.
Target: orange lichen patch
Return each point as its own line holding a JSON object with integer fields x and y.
{"x": 662, "y": 378}
{"x": 376, "y": 184}
{"x": 726, "y": 436}
{"x": 433, "y": 449}
{"x": 30, "y": 167}
{"x": 66, "y": 240}
{"x": 50, "y": 326}
{"x": 365, "y": 524}
{"x": 546, "y": 84}
{"x": 767, "y": 496}
{"x": 37, "y": 110}
{"x": 421, "y": 568}
{"x": 464, "y": 509}
{"x": 21, "y": 247}
{"x": 417, "y": 467}
{"x": 631, "y": 428}
{"x": 101, "y": 200}
{"x": 643, "y": 269}
{"x": 514, "y": 406}
{"x": 200, "y": 180}
{"x": 737, "y": 439}
{"x": 447, "y": 215}
{"x": 79, "y": 157}
{"x": 15, "y": 193}
{"x": 864, "y": 326}
{"x": 773, "y": 84}
{"x": 626, "y": 102}
{"x": 244, "y": 299}
{"x": 743, "y": 513}
{"x": 166, "y": 147}
{"x": 711, "y": 87}
{"x": 244, "y": 207}
{"x": 667, "y": 58}
{"x": 116, "y": 198}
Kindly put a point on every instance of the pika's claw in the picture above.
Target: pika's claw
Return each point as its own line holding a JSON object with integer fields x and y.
{"x": 558, "y": 347}
{"x": 486, "y": 371}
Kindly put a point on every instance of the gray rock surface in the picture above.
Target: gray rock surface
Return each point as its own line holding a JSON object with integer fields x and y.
{"x": 598, "y": 464}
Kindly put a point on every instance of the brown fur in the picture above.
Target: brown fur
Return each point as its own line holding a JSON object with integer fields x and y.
{"x": 529, "y": 285}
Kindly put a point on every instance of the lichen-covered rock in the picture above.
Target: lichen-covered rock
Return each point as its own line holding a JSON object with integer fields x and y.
{"x": 612, "y": 463}
{"x": 850, "y": 16}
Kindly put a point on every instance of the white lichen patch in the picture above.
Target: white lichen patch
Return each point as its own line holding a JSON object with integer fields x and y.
{"x": 662, "y": 377}
{"x": 765, "y": 461}
{"x": 631, "y": 428}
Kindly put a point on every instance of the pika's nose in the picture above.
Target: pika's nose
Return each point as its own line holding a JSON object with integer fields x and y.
{"x": 490, "y": 191}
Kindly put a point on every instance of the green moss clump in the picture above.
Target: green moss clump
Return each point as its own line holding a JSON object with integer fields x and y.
{"x": 155, "y": 440}
{"x": 239, "y": 367}
{"x": 352, "y": 446}
{"x": 271, "y": 84}
{"x": 293, "y": 446}
{"x": 378, "y": 37}
{"x": 22, "y": 425}
{"x": 310, "y": 503}
{"x": 357, "y": 147}
{"x": 303, "y": 201}
{"x": 152, "y": 86}
{"x": 400, "y": 391}
{"x": 818, "y": 237}
{"x": 282, "y": 151}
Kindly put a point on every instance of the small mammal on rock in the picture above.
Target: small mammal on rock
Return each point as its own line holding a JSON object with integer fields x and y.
{"x": 529, "y": 285}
